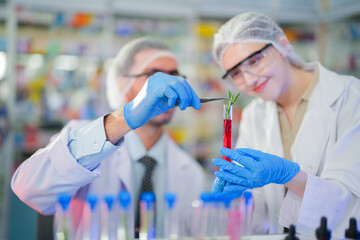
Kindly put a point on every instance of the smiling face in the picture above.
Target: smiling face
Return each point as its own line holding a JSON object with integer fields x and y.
{"x": 269, "y": 81}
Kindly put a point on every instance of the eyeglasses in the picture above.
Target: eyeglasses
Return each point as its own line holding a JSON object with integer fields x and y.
{"x": 153, "y": 71}
{"x": 253, "y": 64}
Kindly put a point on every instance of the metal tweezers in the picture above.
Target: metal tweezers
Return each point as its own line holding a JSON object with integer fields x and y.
{"x": 206, "y": 99}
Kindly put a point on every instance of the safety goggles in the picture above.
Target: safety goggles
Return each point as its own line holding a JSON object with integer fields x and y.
{"x": 253, "y": 64}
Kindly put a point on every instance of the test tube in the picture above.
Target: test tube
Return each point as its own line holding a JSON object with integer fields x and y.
{"x": 95, "y": 224}
{"x": 227, "y": 124}
{"x": 216, "y": 216}
{"x": 222, "y": 205}
{"x": 147, "y": 216}
{"x": 235, "y": 220}
{"x": 111, "y": 218}
{"x": 171, "y": 223}
{"x": 247, "y": 213}
{"x": 226, "y": 198}
{"x": 125, "y": 228}
{"x": 204, "y": 225}
{"x": 63, "y": 227}
{"x": 195, "y": 224}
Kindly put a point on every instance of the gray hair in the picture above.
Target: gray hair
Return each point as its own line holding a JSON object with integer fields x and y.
{"x": 122, "y": 65}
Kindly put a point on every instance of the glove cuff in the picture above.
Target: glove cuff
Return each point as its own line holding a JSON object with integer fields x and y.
{"x": 128, "y": 116}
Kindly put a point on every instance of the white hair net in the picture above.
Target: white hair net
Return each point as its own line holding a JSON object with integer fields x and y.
{"x": 252, "y": 27}
{"x": 117, "y": 86}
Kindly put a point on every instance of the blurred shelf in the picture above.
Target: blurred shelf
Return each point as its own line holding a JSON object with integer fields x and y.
{"x": 296, "y": 11}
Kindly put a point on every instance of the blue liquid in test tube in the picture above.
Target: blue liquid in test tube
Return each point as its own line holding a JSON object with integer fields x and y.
{"x": 147, "y": 216}
{"x": 95, "y": 224}
{"x": 171, "y": 221}
{"x": 63, "y": 227}
{"x": 126, "y": 223}
{"x": 248, "y": 212}
{"x": 111, "y": 218}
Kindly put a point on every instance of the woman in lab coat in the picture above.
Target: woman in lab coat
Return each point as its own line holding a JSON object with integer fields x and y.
{"x": 298, "y": 139}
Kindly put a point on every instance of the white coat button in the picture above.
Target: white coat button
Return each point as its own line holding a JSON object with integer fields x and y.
{"x": 95, "y": 146}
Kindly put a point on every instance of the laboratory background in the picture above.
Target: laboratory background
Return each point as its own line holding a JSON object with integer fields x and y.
{"x": 54, "y": 56}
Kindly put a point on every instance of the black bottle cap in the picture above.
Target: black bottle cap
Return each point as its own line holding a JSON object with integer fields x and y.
{"x": 322, "y": 232}
{"x": 291, "y": 235}
{"x": 352, "y": 232}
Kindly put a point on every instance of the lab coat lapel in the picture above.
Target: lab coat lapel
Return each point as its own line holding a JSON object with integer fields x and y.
{"x": 275, "y": 192}
{"x": 317, "y": 122}
{"x": 176, "y": 170}
{"x": 124, "y": 169}
{"x": 272, "y": 131}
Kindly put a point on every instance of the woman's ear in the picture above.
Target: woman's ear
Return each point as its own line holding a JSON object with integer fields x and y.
{"x": 284, "y": 42}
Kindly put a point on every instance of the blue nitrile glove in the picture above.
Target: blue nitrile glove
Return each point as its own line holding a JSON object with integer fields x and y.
{"x": 258, "y": 169}
{"x": 222, "y": 186}
{"x": 158, "y": 95}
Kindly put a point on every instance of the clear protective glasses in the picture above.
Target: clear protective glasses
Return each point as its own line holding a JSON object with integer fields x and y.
{"x": 153, "y": 71}
{"x": 252, "y": 65}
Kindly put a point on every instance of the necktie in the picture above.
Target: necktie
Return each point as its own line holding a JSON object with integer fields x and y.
{"x": 146, "y": 186}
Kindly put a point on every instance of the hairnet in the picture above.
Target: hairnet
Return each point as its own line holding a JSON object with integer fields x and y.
{"x": 117, "y": 86}
{"x": 252, "y": 27}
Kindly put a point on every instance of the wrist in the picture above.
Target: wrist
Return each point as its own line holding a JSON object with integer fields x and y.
{"x": 115, "y": 126}
{"x": 297, "y": 184}
{"x": 128, "y": 116}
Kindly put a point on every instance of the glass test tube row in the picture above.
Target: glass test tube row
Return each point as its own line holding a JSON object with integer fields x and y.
{"x": 220, "y": 216}
{"x": 118, "y": 222}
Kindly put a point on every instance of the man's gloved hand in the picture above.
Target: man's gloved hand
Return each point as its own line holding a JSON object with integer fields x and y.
{"x": 258, "y": 168}
{"x": 158, "y": 95}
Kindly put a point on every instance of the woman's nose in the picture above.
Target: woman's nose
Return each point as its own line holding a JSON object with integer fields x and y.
{"x": 250, "y": 79}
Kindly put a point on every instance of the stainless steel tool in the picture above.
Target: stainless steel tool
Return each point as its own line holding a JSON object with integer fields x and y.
{"x": 206, "y": 99}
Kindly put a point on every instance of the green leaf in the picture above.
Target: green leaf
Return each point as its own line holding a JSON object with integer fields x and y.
{"x": 234, "y": 99}
{"x": 231, "y": 101}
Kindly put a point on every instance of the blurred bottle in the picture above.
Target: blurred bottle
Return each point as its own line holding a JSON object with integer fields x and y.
{"x": 322, "y": 232}
{"x": 292, "y": 234}
{"x": 352, "y": 232}
{"x": 63, "y": 227}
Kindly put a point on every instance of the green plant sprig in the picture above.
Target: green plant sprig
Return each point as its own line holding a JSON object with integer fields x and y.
{"x": 231, "y": 102}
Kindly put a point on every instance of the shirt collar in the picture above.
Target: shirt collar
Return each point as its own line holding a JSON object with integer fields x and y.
{"x": 137, "y": 149}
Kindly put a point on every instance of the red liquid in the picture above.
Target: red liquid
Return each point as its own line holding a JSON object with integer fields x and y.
{"x": 227, "y": 136}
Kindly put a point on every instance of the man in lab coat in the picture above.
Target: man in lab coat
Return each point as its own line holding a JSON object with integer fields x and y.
{"x": 298, "y": 139}
{"x": 102, "y": 156}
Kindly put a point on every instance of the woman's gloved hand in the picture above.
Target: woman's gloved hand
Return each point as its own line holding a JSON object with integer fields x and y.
{"x": 253, "y": 168}
{"x": 158, "y": 95}
{"x": 222, "y": 186}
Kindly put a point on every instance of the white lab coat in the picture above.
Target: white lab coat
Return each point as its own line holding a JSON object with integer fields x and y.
{"x": 50, "y": 171}
{"x": 327, "y": 148}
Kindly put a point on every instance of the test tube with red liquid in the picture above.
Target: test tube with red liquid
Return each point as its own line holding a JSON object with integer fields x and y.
{"x": 227, "y": 136}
